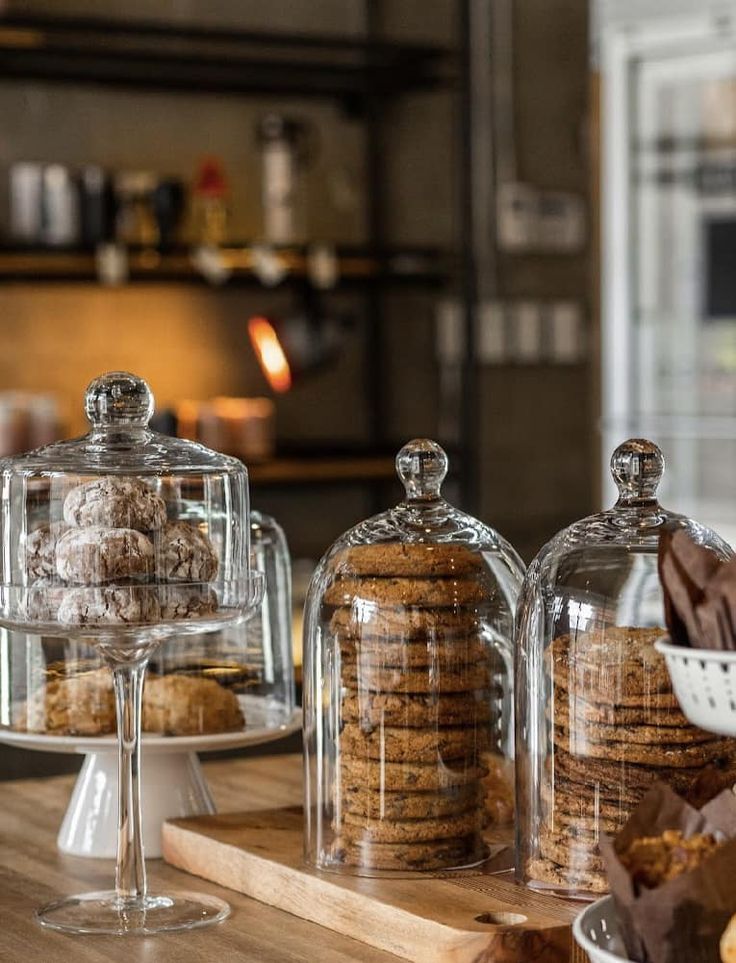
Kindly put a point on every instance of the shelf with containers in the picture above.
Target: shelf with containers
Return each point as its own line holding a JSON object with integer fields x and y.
{"x": 362, "y": 74}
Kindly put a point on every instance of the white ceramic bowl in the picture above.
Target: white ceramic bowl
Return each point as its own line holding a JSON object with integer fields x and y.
{"x": 596, "y": 931}
{"x": 704, "y": 681}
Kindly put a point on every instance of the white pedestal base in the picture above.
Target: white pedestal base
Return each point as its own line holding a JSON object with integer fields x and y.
{"x": 172, "y": 784}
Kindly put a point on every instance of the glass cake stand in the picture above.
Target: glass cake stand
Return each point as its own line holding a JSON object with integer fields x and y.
{"x": 144, "y": 538}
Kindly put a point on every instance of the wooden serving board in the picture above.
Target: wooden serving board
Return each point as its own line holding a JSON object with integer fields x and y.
{"x": 473, "y": 918}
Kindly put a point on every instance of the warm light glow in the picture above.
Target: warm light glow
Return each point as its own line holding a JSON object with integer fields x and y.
{"x": 270, "y": 354}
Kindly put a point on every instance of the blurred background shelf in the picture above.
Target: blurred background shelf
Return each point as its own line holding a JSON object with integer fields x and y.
{"x": 355, "y": 265}
{"x": 164, "y": 56}
{"x": 323, "y": 469}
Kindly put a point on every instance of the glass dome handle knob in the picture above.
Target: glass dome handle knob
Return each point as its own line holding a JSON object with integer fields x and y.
{"x": 637, "y": 467}
{"x": 422, "y": 465}
{"x": 118, "y": 398}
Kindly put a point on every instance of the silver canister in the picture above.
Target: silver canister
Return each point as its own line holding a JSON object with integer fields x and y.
{"x": 25, "y": 183}
{"x": 60, "y": 208}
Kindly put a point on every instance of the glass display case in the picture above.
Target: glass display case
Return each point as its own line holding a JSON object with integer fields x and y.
{"x": 119, "y": 541}
{"x": 596, "y": 719}
{"x": 408, "y": 685}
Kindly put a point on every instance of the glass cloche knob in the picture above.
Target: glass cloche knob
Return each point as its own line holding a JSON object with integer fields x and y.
{"x": 118, "y": 398}
{"x": 422, "y": 465}
{"x": 637, "y": 466}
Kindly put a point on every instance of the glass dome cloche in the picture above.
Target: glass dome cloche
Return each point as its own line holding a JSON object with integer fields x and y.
{"x": 596, "y": 719}
{"x": 408, "y": 685}
{"x": 120, "y": 540}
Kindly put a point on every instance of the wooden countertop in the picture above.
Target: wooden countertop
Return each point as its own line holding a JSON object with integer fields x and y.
{"x": 33, "y": 871}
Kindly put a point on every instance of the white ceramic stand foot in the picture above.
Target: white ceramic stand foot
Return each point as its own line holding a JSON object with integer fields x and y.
{"x": 172, "y": 784}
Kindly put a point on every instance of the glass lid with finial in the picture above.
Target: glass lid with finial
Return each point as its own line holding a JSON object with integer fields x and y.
{"x": 596, "y": 718}
{"x": 117, "y": 541}
{"x": 408, "y": 685}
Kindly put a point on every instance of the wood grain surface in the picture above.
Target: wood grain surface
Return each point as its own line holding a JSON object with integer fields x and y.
{"x": 33, "y": 871}
{"x": 454, "y": 919}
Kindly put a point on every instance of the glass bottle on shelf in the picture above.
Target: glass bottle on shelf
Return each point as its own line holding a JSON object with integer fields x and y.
{"x": 596, "y": 718}
{"x": 408, "y": 685}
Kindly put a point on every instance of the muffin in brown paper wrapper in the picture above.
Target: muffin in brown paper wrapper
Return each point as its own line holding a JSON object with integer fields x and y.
{"x": 682, "y": 919}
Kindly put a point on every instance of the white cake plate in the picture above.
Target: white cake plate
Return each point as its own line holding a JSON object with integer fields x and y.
{"x": 172, "y": 782}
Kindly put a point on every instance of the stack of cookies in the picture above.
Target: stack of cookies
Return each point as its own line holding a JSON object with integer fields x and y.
{"x": 99, "y": 564}
{"x": 615, "y": 728}
{"x": 406, "y": 631}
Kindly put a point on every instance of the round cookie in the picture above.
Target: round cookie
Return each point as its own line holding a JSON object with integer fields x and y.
{"x": 425, "y": 856}
{"x": 112, "y": 605}
{"x": 613, "y": 665}
{"x": 424, "y": 593}
{"x": 411, "y": 805}
{"x": 78, "y": 705}
{"x": 38, "y": 550}
{"x": 184, "y": 554}
{"x": 583, "y": 805}
{"x": 378, "y": 623}
{"x": 612, "y": 715}
{"x": 371, "y": 709}
{"x": 89, "y": 556}
{"x": 360, "y": 829}
{"x": 42, "y": 600}
{"x": 396, "y": 680}
{"x": 112, "y": 502}
{"x": 573, "y": 851}
{"x": 403, "y": 776}
{"x": 640, "y": 734}
{"x": 547, "y": 871}
{"x": 186, "y": 602}
{"x": 397, "y": 744}
{"x": 409, "y": 559}
{"x": 615, "y": 778}
{"x": 675, "y": 755}
{"x": 180, "y": 705}
{"x": 447, "y": 654}
{"x": 561, "y": 820}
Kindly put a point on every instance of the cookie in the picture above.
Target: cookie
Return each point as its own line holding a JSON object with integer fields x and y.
{"x": 402, "y": 776}
{"x": 184, "y": 554}
{"x": 547, "y": 871}
{"x": 563, "y": 800}
{"x": 397, "y": 744}
{"x": 577, "y": 852}
{"x": 362, "y": 829}
{"x": 614, "y": 777}
{"x": 613, "y": 665}
{"x": 112, "y": 502}
{"x": 498, "y": 789}
{"x": 186, "y": 602}
{"x": 666, "y": 754}
{"x": 112, "y": 605}
{"x": 396, "y": 680}
{"x": 42, "y": 600}
{"x": 89, "y": 556}
{"x": 410, "y": 559}
{"x": 641, "y": 734}
{"x": 79, "y": 705}
{"x": 380, "y": 624}
{"x": 573, "y": 707}
{"x": 371, "y": 709}
{"x": 448, "y": 655}
{"x": 425, "y": 856}
{"x": 180, "y": 705}
{"x": 411, "y": 805}
{"x": 38, "y": 550}
{"x": 423, "y": 593}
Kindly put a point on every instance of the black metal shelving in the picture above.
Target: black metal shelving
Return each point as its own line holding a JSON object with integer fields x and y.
{"x": 360, "y": 74}
{"x": 154, "y": 55}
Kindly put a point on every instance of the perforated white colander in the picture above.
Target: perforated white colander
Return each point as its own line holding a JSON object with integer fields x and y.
{"x": 704, "y": 681}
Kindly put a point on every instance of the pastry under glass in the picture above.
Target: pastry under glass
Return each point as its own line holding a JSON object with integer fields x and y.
{"x": 120, "y": 540}
{"x": 596, "y": 718}
{"x": 408, "y": 729}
